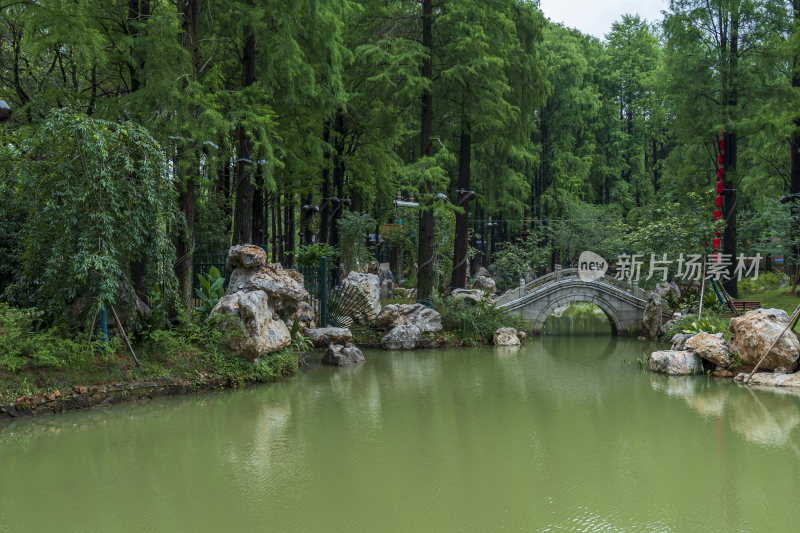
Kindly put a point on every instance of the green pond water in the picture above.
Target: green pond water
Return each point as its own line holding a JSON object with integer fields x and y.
{"x": 565, "y": 434}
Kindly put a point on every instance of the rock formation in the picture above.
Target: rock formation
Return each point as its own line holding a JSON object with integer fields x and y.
{"x": 261, "y": 332}
{"x": 675, "y": 363}
{"x": 324, "y": 337}
{"x": 343, "y": 355}
{"x": 485, "y": 284}
{"x": 426, "y": 319}
{"x": 711, "y": 348}
{"x": 367, "y": 289}
{"x": 472, "y": 296}
{"x": 402, "y": 338}
{"x": 755, "y": 332}
{"x": 506, "y": 337}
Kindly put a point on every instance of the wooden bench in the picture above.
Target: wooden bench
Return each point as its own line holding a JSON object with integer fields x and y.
{"x": 746, "y": 306}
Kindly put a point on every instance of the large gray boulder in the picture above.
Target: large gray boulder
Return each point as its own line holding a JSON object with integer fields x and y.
{"x": 246, "y": 256}
{"x": 755, "y": 332}
{"x": 484, "y": 283}
{"x": 711, "y": 348}
{"x": 663, "y": 289}
{"x": 472, "y": 296}
{"x": 342, "y": 355}
{"x": 426, "y": 319}
{"x": 305, "y": 314}
{"x": 324, "y": 337}
{"x": 679, "y": 340}
{"x": 284, "y": 286}
{"x": 261, "y": 332}
{"x": 402, "y": 338}
{"x": 506, "y": 337}
{"x": 675, "y": 363}
{"x": 367, "y": 289}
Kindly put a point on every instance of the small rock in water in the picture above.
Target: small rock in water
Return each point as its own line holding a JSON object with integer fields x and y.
{"x": 506, "y": 337}
{"x": 339, "y": 355}
{"x": 402, "y": 338}
{"x": 675, "y": 362}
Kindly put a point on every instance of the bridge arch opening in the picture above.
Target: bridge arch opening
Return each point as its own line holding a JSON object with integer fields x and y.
{"x": 614, "y": 320}
{"x": 582, "y": 318}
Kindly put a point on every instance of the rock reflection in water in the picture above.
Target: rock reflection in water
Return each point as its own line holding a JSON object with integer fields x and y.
{"x": 765, "y": 417}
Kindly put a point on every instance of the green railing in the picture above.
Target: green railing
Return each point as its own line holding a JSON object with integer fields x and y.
{"x": 316, "y": 282}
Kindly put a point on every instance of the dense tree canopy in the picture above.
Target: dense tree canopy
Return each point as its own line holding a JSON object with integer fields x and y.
{"x": 275, "y": 119}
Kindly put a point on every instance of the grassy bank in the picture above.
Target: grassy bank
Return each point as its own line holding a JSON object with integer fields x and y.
{"x": 37, "y": 361}
{"x": 779, "y": 298}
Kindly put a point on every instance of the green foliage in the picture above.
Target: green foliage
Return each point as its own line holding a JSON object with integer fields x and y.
{"x": 353, "y": 230}
{"x": 711, "y": 322}
{"x": 158, "y": 318}
{"x": 708, "y": 324}
{"x": 24, "y": 348}
{"x": 311, "y": 254}
{"x": 513, "y": 261}
{"x": 476, "y": 322}
{"x": 97, "y": 198}
{"x": 766, "y": 281}
{"x": 211, "y": 289}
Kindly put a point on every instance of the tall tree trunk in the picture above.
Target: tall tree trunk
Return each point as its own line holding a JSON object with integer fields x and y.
{"x": 290, "y": 241}
{"x": 338, "y": 175}
{"x": 730, "y": 158}
{"x": 138, "y": 14}
{"x": 184, "y": 244}
{"x": 305, "y": 219}
{"x": 280, "y": 236}
{"x": 259, "y": 208}
{"x": 425, "y": 272}
{"x": 794, "y": 155}
{"x": 243, "y": 211}
{"x": 656, "y": 172}
{"x": 461, "y": 245}
{"x": 274, "y": 216}
{"x": 325, "y": 208}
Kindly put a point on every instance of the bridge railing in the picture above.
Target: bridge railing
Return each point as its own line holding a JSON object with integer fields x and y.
{"x": 563, "y": 274}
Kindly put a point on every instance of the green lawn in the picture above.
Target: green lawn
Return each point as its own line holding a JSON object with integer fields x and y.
{"x": 778, "y": 298}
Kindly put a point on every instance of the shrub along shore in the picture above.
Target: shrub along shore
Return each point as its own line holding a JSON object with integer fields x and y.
{"x": 62, "y": 370}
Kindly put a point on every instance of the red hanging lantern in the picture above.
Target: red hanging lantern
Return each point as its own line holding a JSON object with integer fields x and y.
{"x": 720, "y": 187}
{"x": 717, "y": 215}
{"x": 719, "y": 159}
{"x": 720, "y": 173}
{"x": 717, "y": 243}
{"x": 718, "y": 203}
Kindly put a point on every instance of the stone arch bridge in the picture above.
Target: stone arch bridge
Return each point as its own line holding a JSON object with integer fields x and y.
{"x": 622, "y": 302}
